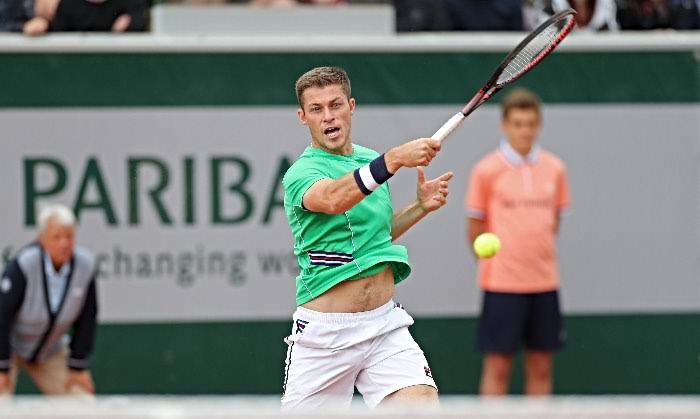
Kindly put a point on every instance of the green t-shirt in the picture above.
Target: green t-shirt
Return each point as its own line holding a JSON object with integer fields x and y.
{"x": 334, "y": 248}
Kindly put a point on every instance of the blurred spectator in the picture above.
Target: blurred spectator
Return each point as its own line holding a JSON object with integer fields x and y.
{"x": 644, "y": 14}
{"x": 14, "y": 13}
{"x": 100, "y": 16}
{"x": 685, "y": 14}
{"x": 86, "y": 16}
{"x": 289, "y": 3}
{"x": 421, "y": 15}
{"x": 273, "y": 3}
{"x": 593, "y": 15}
{"x": 485, "y": 15}
{"x": 659, "y": 14}
{"x": 44, "y": 13}
{"x": 28, "y": 16}
{"x": 199, "y": 2}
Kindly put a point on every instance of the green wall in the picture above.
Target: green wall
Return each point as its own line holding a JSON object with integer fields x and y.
{"x": 605, "y": 354}
{"x": 230, "y": 79}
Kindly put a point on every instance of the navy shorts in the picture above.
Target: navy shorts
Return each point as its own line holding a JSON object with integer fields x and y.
{"x": 509, "y": 320}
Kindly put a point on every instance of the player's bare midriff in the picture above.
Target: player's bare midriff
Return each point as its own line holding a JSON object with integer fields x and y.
{"x": 355, "y": 296}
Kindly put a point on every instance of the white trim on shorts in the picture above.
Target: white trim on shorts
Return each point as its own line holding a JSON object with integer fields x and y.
{"x": 344, "y": 319}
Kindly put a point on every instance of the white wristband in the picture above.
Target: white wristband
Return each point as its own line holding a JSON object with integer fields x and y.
{"x": 367, "y": 178}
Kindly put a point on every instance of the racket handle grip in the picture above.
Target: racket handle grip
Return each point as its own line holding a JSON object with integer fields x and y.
{"x": 449, "y": 126}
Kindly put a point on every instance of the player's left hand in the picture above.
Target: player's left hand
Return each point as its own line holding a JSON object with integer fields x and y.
{"x": 80, "y": 379}
{"x": 432, "y": 194}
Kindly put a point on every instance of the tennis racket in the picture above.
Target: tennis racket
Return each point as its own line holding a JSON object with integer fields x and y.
{"x": 529, "y": 52}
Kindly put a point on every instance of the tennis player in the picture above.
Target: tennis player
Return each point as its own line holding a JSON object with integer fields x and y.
{"x": 347, "y": 331}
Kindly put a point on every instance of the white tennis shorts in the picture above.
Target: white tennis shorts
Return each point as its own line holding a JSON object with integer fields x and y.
{"x": 330, "y": 353}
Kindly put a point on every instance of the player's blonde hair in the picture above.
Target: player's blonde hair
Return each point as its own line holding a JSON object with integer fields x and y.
{"x": 55, "y": 212}
{"x": 520, "y": 99}
{"x": 321, "y": 77}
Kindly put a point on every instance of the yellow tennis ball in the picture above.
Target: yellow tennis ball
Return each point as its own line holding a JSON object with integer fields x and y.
{"x": 487, "y": 245}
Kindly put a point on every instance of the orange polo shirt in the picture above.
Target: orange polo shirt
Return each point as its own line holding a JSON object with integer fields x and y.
{"x": 520, "y": 199}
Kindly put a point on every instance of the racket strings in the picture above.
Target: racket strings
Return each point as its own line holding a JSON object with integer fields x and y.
{"x": 534, "y": 49}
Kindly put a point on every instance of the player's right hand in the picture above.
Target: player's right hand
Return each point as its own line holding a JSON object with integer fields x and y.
{"x": 414, "y": 153}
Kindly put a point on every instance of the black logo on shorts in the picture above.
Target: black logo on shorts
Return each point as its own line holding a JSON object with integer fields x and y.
{"x": 301, "y": 325}
{"x": 428, "y": 372}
